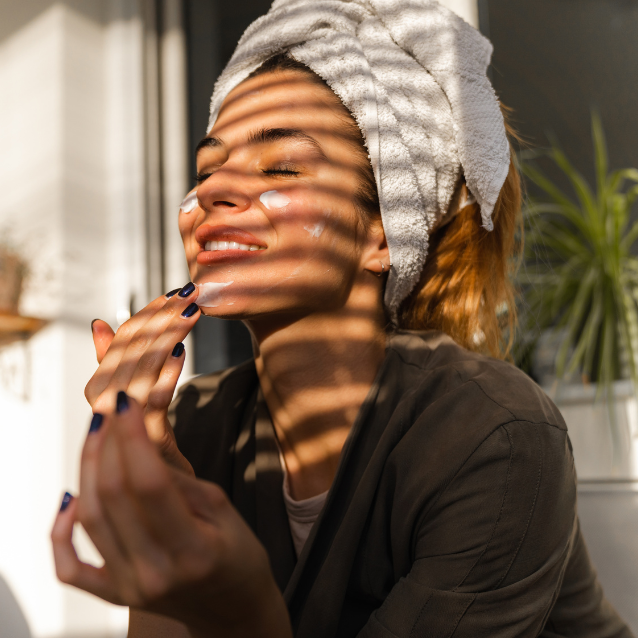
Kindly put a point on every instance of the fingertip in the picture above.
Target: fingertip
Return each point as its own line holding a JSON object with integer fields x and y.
{"x": 178, "y": 350}
{"x": 129, "y": 415}
{"x": 190, "y": 311}
{"x": 96, "y": 422}
{"x": 66, "y": 501}
{"x": 121, "y": 402}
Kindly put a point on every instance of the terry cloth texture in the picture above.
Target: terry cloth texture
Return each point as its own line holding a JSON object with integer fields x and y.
{"x": 413, "y": 75}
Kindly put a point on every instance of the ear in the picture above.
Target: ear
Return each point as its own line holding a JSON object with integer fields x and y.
{"x": 376, "y": 257}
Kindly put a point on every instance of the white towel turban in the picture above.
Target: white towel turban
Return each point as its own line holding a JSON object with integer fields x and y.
{"x": 413, "y": 75}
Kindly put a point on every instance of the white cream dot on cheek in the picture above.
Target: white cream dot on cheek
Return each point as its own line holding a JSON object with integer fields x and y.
{"x": 189, "y": 203}
{"x": 210, "y": 293}
{"x": 274, "y": 199}
{"x": 316, "y": 229}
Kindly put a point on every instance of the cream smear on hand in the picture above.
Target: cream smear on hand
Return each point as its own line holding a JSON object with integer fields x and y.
{"x": 274, "y": 199}
{"x": 189, "y": 203}
{"x": 209, "y": 293}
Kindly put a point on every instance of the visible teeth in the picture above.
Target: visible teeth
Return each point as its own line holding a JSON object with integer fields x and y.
{"x": 230, "y": 245}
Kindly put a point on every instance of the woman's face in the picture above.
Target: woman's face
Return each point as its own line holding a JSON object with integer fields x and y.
{"x": 274, "y": 229}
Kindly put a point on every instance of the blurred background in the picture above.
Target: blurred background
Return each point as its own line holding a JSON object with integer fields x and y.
{"x": 101, "y": 105}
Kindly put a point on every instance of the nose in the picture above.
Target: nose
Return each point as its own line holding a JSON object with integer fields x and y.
{"x": 225, "y": 190}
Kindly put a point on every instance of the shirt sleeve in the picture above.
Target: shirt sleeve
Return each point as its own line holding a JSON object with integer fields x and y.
{"x": 490, "y": 553}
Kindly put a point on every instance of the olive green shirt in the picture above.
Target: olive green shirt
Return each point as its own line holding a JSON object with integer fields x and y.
{"x": 452, "y": 512}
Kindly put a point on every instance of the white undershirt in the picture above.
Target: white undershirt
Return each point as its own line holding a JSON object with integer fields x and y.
{"x": 301, "y": 514}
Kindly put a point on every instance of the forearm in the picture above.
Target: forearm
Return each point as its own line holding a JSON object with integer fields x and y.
{"x": 269, "y": 621}
{"x": 143, "y": 624}
{"x": 267, "y": 618}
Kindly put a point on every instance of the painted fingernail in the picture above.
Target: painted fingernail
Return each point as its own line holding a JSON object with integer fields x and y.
{"x": 187, "y": 289}
{"x": 178, "y": 349}
{"x": 172, "y": 292}
{"x": 92, "y": 322}
{"x": 66, "y": 501}
{"x": 121, "y": 403}
{"x": 190, "y": 311}
{"x": 96, "y": 423}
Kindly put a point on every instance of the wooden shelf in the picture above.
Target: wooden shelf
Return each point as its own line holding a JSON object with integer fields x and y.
{"x": 16, "y": 327}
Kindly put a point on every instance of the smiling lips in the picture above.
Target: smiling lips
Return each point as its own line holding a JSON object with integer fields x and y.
{"x": 230, "y": 245}
{"x": 223, "y": 243}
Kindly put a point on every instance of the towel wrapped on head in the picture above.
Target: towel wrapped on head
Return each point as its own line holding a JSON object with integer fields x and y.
{"x": 413, "y": 75}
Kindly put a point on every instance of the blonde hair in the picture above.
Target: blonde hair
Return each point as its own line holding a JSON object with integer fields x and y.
{"x": 466, "y": 287}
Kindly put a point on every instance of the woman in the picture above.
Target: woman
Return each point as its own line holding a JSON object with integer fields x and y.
{"x": 355, "y": 479}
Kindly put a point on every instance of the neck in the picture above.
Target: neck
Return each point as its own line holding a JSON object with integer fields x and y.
{"x": 315, "y": 373}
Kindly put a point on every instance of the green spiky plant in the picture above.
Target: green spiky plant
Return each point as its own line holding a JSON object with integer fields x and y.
{"x": 579, "y": 275}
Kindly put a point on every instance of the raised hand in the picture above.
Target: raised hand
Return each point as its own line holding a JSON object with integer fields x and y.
{"x": 172, "y": 544}
{"x": 144, "y": 358}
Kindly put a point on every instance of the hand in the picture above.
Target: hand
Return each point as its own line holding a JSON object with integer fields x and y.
{"x": 138, "y": 359}
{"x": 171, "y": 544}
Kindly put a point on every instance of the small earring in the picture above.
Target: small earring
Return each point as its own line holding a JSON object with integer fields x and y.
{"x": 380, "y": 274}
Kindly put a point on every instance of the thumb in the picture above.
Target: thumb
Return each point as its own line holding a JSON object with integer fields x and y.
{"x": 102, "y": 336}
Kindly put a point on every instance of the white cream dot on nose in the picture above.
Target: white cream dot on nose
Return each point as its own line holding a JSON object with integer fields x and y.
{"x": 189, "y": 203}
{"x": 274, "y": 199}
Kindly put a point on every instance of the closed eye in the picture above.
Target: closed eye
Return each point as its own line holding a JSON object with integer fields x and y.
{"x": 202, "y": 177}
{"x": 279, "y": 171}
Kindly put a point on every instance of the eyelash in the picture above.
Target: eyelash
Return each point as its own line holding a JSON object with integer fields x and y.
{"x": 202, "y": 177}
{"x": 279, "y": 171}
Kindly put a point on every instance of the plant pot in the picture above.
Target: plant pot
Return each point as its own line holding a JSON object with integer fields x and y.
{"x": 12, "y": 274}
{"x": 606, "y": 459}
{"x": 605, "y": 448}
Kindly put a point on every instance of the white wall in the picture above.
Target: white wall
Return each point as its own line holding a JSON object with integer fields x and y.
{"x": 75, "y": 198}
{"x": 467, "y": 9}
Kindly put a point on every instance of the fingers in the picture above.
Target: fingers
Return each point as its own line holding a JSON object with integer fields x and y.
{"x": 138, "y": 359}
{"x": 130, "y": 509}
{"x": 149, "y": 562}
{"x": 112, "y": 357}
{"x": 149, "y": 480}
{"x": 157, "y": 529}
{"x": 90, "y": 511}
{"x": 102, "y": 337}
{"x": 161, "y": 394}
{"x": 69, "y": 568}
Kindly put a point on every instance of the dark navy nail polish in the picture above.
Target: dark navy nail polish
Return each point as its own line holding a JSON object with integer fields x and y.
{"x": 121, "y": 403}
{"x": 92, "y": 322}
{"x": 190, "y": 311}
{"x": 66, "y": 501}
{"x": 96, "y": 423}
{"x": 187, "y": 289}
{"x": 178, "y": 349}
{"x": 168, "y": 295}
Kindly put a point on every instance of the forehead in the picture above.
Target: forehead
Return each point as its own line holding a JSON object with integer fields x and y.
{"x": 280, "y": 99}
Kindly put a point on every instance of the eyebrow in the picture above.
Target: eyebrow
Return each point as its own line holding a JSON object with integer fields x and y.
{"x": 267, "y": 136}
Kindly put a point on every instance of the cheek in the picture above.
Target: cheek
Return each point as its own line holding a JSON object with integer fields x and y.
{"x": 186, "y": 223}
{"x": 315, "y": 236}
{"x": 299, "y": 215}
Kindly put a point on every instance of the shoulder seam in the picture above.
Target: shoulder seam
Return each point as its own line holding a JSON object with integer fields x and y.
{"x": 531, "y": 510}
{"x": 500, "y": 512}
